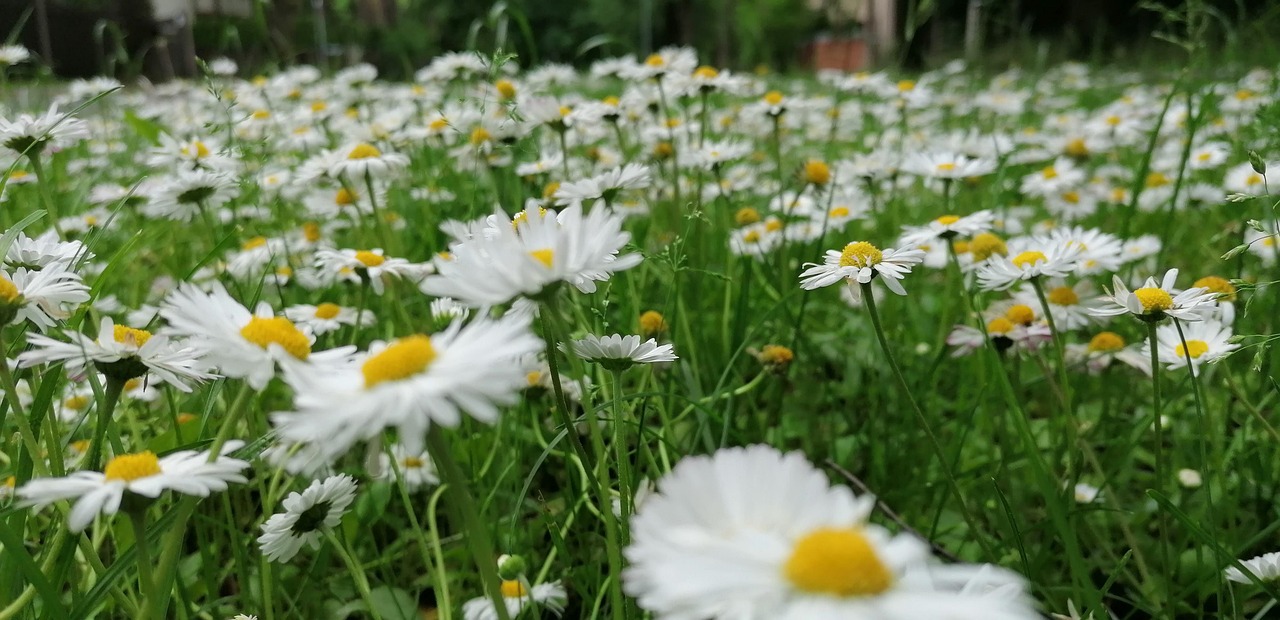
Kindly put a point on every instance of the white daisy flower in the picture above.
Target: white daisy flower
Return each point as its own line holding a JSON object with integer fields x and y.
{"x": 948, "y": 227}
{"x": 183, "y": 196}
{"x": 41, "y": 297}
{"x": 409, "y": 384}
{"x": 327, "y": 317}
{"x": 415, "y": 468}
{"x": 754, "y": 533}
{"x": 604, "y": 186}
{"x": 29, "y": 135}
{"x": 946, "y": 165}
{"x": 1207, "y": 341}
{"x": 1103, "y": 349}
{"x": 306, "y": 514}
{"x": 353, "y": 265}
{"x": 860, "y": 262}
{"x": 13, "y": 54}
{"x": 241, "y": 344}
{"x": 1264, "y": 567}
{"x": 120, "y": 352}
{"x": 45, "y": 250}
{"x": 188, "y": 472}
{"x": 1067, "y": 304}
{"x": 1002, "y": 272}
{"x": 535, "y": 250}
{"x": 620, "y": 352}
{"x": 1154, "y": 302}
{"x": 363, "y": 159}
{"x": 517, "y": 596}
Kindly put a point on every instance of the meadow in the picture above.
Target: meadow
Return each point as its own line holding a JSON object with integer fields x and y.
{"x": 648, "y": 339}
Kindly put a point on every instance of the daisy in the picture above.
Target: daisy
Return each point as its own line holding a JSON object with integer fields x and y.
{"x": 121, "y": 353}
{"x": 618, "y": 352}
{"x": 605, "y": 186}
{"x": 415, "y": 468}
{"x": 29, "y": 135}
{"x": 948, "y": 166}
{"x": 1002, "y": 272}
{"x": 754, "y": 533}
{"x": 306, "y": 515}
{"x": 12, "y": 55}
{"x": 948, "y": 227}
{"x": 41, "y": 297}
{"x": 1067, "y": 304}
{"x": 45, "y": 250}
{"x": 356, "y": 265}
{"x": 1103, "y": 349}
{"x": 327, "y": 317}
{"x": 860, "y": 262}
{"x": 1154, "y": 302}
{"x": 187, "y": 471}
{"x": 533, "y": 252}
{"x": 189, "y": 192}
{"x": 363, "y": 160}
{"x": 1264, "y": 567}
{"x": 1099, "y": 252}
{"x": 1207, "y": 341}
{"x": 409, "y": 384}
{"x": 240, "y": 344}
{"x": 517, "y": 595}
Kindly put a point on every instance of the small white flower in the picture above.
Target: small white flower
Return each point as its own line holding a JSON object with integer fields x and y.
{"x": 187, "y": 472}
{"x": 306, "y": 514}
{"x": 414, "y": 467}
{"x": 1264, "y": 567}
{"x": 363, "y": 159}
{"x": 1002, "y": 272}
{"x": 947, "y": 227}
{"x": 29, "y": 135}
{"x": 327, "y": 317}
{"x": 622, "y": 351}
{"x": 119, "y": 351}
{"x": 859, "y": 262}
{"x": 1153, "y": 302}
{"x": 516, "y": 595}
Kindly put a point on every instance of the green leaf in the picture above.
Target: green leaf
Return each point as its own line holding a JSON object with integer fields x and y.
{"x": 145, "y": 128}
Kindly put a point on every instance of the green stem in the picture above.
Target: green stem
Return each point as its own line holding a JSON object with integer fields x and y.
{"x": 29, "y": 438}
{"x": 233, "y": 416}
{"x": 869, "y": 301}
{"x": 357, "y": 572}
{"x": 110, "y": 397}
{"x": 626, "y": 490}
{"x": 45, "y": 194}
{"x": 1162, "y": 524}
{"x": 464, "y": 505}
{"x": 146, "y": 578}
{"x": 1064, "y": 384}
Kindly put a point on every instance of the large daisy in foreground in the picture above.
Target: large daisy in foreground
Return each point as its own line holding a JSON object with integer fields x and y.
{"x": 753, "y": 533}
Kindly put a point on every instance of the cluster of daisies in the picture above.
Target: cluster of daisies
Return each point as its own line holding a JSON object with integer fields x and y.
{"x": 370, "y": 266}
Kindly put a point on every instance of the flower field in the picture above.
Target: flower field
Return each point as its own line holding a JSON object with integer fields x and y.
{"x": 649, "y": 339}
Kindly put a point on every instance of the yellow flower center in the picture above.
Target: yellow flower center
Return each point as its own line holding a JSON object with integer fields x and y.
{"x": 860, "y": 254}
{"x": 364, "y": 150}
{"x": 1244, "y": 94}
{"x": 1029, "y": 259}
{"x": 196, "y": 147}
{"x": 327, "y": 310}
{"x": 773, "y": 225}
{"x": 999, "y": 326}
{"x": 264, "y": 331}
{"x": 261, "y": 115}
{"x": 751, "y": 236}
{"x": 905, "y": 86}
{"x": 319, "y": 106}
{"x": 837, "y": 562}
{"x": 130, "y": 467}
{"x": 77, "y": 403}
{"x": 984, "y": 245}
{"x": 746, "y": 216}
{"x": 370, "y": 259}
{"x": 773, "y": 97}
{"x": 284, "y": 270}
{"x": 311, "y": 232}
{"x": 533, "y": 377}
{"x": 544, "y": 256}
{"x": 401, "y": 359}
{"x": 1194, "y": 349}
{"x": 411, "y": 462}
{"x": 255, "y": 242}
{"x": 344, "y": 197}
{"x": 8, "y": 290}
{"x": 838, "y": 212}
{"x": 776, "y": 355}
{"x": 1153, "y": 299}
{"x": 1021, "y": 314}
{"x": 1076, "y": 148}
{"x": 705, "y": 72}
{"x": 1204, "y": 157}
{"x": 948, "y": 220}
{"x": 945, "y": 166}
{"x": 480, "y": 135}
{"x": 652, "y": 322}
{"x": 1253, "y": 179}
{"x": 551, "y": 189}
{"x": 505, "y": 89}
{"x": 1223, "y": 287}
{"x": 1049, "y": 172}
{"x": 816, "y": 172}
{"x": 514, "y": 589}
{"x": 132, "y": 384}
{"x": 1106, "y": 342}
{"x": 1063, "y": 296}
{"x": 438, "y": 124}
{"x": 1071, "y": 197}
{"x": 655, "y": 60}
{"x": 1157, "y": 179}
{"x": 130, "y": 336}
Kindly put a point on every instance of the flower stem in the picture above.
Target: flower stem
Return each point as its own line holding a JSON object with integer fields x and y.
{"x": 626, "y": 492}
{"x": 146, "y": 578}
{"x": 1162, "y": 523}
{"x": 42, "y": 182}
{"x": 870, "y": 301}
{"x": 110, "y": 396}
{"x": 357, "y": 572}
{"x": 29, "y": 438}
{"x": 464, "y": 506}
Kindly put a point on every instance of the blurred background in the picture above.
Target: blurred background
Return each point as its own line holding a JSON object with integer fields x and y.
{"x": 161, "y": 38}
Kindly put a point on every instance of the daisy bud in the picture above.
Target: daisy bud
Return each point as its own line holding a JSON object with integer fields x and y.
{"x": 652, "y": 323}
{"x": 776, "y": 358}
{"x": 1189, "y": 478}
{"x": 1233, "y": 252}
{"x": 511, "y": 567}
{"x": 1256, "y": 225}
{"x": 816, "y": 172}
{"x": 1256, "y": 162}
{"x": 1240, "y": 197}
{"x": 505, "y": 89}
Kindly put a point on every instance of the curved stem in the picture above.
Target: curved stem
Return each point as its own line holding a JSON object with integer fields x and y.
{"x": 146, "y": 576}
{"x": 357, "y": 572}
{"x": 110, "y": 396}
